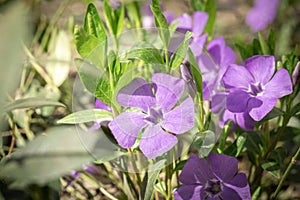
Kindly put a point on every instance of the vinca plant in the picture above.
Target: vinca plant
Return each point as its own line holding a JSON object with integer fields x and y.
{"x": 163, "y": 107}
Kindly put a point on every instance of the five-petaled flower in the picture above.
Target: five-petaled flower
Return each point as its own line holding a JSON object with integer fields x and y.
{"x": 255, "y": 88}
{"x": 156, "y": 113}
{"x": 212, "y": 179}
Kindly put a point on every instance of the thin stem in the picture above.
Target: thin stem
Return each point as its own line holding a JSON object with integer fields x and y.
{"x": 286, "y": 173}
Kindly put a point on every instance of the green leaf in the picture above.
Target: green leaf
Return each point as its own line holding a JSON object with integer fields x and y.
{"x": 204, "y": 142}
{"x": 103, "y": 91}
{"x": 55, "y": 154}
{"x": 240, "y": 143}
{"x": 109, "y": 17}
{"x": 86, "y": 116}
{"x": 272, "y": 167}
{"x": 225, "y": 132}
{"x": 93, "y": 24}
{"x": 88, "y": 46}
{"x": 257, "y": 193}
{"x": 296, "y": 110}
{"x": 90, "y": 75}
{"x": 197, "y": 5}
{"x": 150, "y": 179}
{"x": 161, "y": 23}
{"x": 272, "y": 42}
{"x": 246, "y": 51}
{"x": 197, "y": 76}
{"x": 30, "y": 103}
{"x": 181, "y": 51}
{"x": 211, "y": 9}
{"x": 120, "y": 18}
{"x": 148, "y": 55}
{"x": 264, "y": 46}
{"x": 134, "y": 14}
{"x": 256, "y": 47}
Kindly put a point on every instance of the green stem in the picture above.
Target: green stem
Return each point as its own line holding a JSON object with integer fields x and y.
{"x": 167, "y": 61}
{"x": 287, "y": 171}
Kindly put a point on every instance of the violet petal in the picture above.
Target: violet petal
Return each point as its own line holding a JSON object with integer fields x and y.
{"x": 259, "y": 112}
{"x": 196, "y": 171}
{"x": 192, "y": 192}
{"x": 218, "y": 161}
{"x": 279, "y": 86}
{"x": 155, "y": 141}
{"x": 261, "y": 67}
{"x": 126, "y": 128}
{"x": 137, "y": 94}
{"x": 237, "y": 77}
{"x": 237, "y": 101}
{"x": 245, "y": 121}
{"x": 180, "y": 119}
{"x": 168, "y": 90}
{"x": 240, "y": 185}
{"x": 199, "y": 22}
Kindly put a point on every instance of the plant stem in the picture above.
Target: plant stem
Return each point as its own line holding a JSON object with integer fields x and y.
{"x": 287, "y": 171}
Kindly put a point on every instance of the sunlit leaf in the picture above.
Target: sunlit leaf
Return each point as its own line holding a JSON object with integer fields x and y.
{"x": 211, "y": 9}
{"x": 204, "y": 142}
{"x": 264, "y": 45}
{"x": 148, "y": 55}
{"x": 86, "y": 116}
{"x": 181, "y": 51}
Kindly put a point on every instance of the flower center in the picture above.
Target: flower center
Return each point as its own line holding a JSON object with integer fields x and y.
{"x": 213, "y": 187}
{"x": 155, "y": 115}
{"x": 256, "y": 89}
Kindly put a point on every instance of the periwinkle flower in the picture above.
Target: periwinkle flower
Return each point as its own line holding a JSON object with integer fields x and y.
{"x": 255, "y": 88}
{"x": 214, "y": 64}
{"x": 196, "y": 26}
{"x": 156, "y": 114}
{"x": 213, "y": 179}
{"x": 262, "y": 14}
{"x": 218, "y": 106}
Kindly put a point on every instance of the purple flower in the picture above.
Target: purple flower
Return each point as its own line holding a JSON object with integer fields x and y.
{"x": 212, "y": 179}
{"x": 195, "y": 25}
{"x": 156, "y": 113}
{"x": 296, "y": 74}
{"x": 243, "y": 119}
{"x": 262, "y": 14}
{"x": 214, "y": 64}
{"x": 253, "y": 88}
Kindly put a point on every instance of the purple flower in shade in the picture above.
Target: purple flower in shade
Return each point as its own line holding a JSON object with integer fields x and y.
{"x": 213, "y": 179}
{"x": 100, "y": 105}
{"x": 157, "y": 114}
{"x": 243, "y": 119}
{"x": 296, "y": 74}
{"x": 253, "y": 88}
{"x": 195, "y": 25}
{"x": 214, "y": 64}
{"x": 262, "y": 14}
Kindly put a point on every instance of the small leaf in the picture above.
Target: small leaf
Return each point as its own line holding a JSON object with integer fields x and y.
{"x": 161, "y": 23}
{"x": 120, "y": 24}
{"x": 197, "y": 5}
{"x": 264, "y": 46}
{"x": 110, "y": 21}
{"x": 246, "y": 51}
{"x": 148, "y": 183}
{"x": 181, "y": 51}
{"x": 103, "y": 91}
{"x": 272, "y": 167}
{"x": 93, "y": 24}
{"x": 225, "y": 132}
{"x": 30, "y": 103}
{"x": 240, "y": 143}
{"x": 204, "y": 142}
{"x": 275, "y": 112}
{"x": 211, "y": 9}
{"x": 296, "y": 110}
{"x": 197, "y": 76}
{"x": 272, "y": 42}
{"x": 134, "y": 14}
{"x": 148, "y": 55}
{"x": 257, "y": 193}
{"x": 86, "y": 116}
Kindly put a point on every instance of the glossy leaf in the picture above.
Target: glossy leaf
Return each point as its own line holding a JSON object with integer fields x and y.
{"x": 225, "y": 132}
{"x": 240, "y": 143}
{"x": 272, "y": 167}
{"x": 30, "y": 103}
{"x": 86, "y": 116}
{"x": 181, "y": 51}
